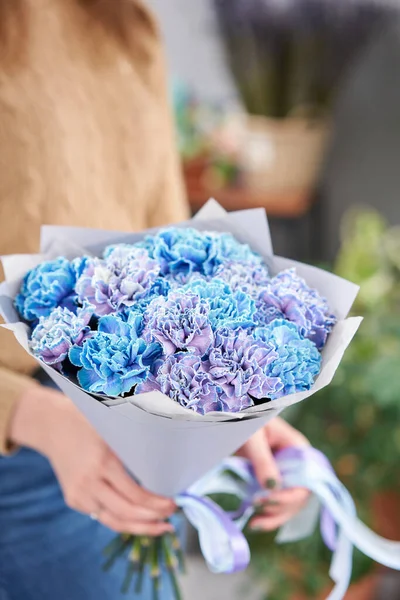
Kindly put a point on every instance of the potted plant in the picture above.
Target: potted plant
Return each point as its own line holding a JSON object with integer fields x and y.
{"x": 288, "y": 59}
{"x": 355, "y": 421}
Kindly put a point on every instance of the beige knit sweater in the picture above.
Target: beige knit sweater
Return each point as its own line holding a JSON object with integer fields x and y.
{"x": 85, "y": 139}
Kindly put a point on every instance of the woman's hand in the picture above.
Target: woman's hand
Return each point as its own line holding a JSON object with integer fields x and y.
{"x": 280, "y": 505}
{"x": 92, "y": 478}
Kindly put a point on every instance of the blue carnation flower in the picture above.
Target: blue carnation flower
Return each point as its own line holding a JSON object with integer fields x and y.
{"x": 288, "y": 296}
{"x": 297, "y": 361}
{"x": 179, "y": 252}
{"x": 45, "y": 287}
{"x": 55, "y": 334}
{"x": 226, "y": 307}
{"x": 114, "y": 360}
{"x": 183, "y": 253}
{"x": 183, "y": 378}
{"x": 224, "y": 248}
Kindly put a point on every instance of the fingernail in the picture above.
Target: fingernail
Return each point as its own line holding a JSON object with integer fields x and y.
{"x": 263, "y": 502}
{"x": 271, "y": 484}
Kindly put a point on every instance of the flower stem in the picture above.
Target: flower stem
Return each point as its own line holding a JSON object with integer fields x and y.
{"x": 144, "y": 551}
{"x": 171, "y": 562}
{"x": 147, "y": 555}
{"x": 130, "y": 571}
{"x": 116, "y": 549}
{"x": 176, "y": 546}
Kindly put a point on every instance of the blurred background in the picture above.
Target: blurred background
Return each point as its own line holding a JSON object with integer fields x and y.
{"x": 294, "y": 106}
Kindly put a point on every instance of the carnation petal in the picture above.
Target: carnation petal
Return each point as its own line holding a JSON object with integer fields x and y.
{"x": 113, "y": 324}
{"x": 114, "y": 386}
{"x": 90, "y": 381}
{"x": 75, "y": 355}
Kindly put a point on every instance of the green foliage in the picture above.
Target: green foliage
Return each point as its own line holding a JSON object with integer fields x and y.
{"x": 356, "y": 420}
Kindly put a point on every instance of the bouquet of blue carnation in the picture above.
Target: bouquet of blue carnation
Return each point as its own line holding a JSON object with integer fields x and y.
{"x": 177, "y": 344}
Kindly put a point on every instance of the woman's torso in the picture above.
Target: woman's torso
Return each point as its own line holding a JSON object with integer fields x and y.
{"x": 82, "y": 130}
{"x": 78, "y": 130}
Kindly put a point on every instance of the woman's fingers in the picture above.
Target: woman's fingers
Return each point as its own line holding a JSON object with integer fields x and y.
{"x": 262, "y": 460}
{"x": 270, "y": 523}
{"x": 107, "y": 498}
{"x": 282, "y": 435}
{"x": 281, "y": 500}
{"x": 134, "y": 527}
{"x": 119, "y": 479}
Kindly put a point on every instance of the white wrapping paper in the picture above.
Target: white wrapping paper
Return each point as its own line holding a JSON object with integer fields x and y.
{"x": 165, "y": 446}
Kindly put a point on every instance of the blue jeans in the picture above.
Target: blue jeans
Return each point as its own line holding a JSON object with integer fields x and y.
{"x": 48, "y": 551}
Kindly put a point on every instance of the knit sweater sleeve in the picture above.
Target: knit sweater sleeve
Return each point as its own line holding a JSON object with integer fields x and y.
{"x": 12, "y": 386}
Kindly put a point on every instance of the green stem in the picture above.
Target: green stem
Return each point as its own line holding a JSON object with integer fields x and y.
{"x": 155, "y": 569}
{"x": 144, "y": 551}
{"x": 115, "y": 550}
{"x": 135, "y": 553}
{"x": 175, "y": 584}
{"x": 116, "y": 543}
{"x": 176, "y": 546}
{"x": 171, "y": 563}
{"x": 130, "y": 571}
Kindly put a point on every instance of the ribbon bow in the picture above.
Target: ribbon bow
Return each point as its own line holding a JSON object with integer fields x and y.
{"x": 224, "y": 546}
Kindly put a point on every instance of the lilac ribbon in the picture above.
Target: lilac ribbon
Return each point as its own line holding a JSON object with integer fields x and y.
{"x": 311, "y": 455}
{"x": 221, "y": 539}
{"x": 223, "y": 545}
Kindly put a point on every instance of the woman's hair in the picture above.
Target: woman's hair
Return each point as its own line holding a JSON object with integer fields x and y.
{"x": 115, "y": 17}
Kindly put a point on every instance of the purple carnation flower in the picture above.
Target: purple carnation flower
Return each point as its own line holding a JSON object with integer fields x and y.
{"x": 245, "y": 277}
{"x": 45, "y": 287}
{"x": 114, "y": 359}
{"x": 240, "y": 365}
{"x": 120, "y": 253}
{"x": 288, "y": 296}
{"x": 297, "y": 361}
{"x": 179, "y": 322}
{"x": 55, "y": 335}
{"x": 121, "y": 281}
{"x": 182, "y": 377}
